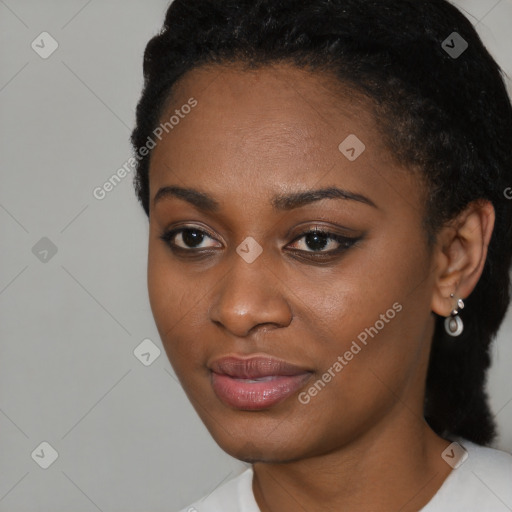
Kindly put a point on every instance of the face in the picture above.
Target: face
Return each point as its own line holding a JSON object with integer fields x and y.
{"x": 289, "y": 276}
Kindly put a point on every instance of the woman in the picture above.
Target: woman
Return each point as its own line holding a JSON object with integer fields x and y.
{"x": 329, "y": 246}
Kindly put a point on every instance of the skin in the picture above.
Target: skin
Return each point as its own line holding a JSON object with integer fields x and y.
{"x": 361, "y": 443}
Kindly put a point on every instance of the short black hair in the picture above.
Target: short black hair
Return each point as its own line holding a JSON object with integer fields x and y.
{"x": 448, "y": 116}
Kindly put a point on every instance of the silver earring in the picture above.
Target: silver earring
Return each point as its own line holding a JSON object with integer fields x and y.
{"x": 453, "y": 324}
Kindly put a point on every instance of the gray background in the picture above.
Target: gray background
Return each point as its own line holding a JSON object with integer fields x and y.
{"x": 126, "y": 436}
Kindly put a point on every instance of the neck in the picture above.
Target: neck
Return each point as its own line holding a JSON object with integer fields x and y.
{"x": 379, "y": 471}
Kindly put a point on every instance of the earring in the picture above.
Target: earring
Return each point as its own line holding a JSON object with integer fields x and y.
{"x": 453, "y": 324}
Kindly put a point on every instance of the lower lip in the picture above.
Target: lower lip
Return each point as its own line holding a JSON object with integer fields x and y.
{"x": 252, "y": 396}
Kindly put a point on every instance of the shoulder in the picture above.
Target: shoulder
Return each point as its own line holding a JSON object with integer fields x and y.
{"x": 235, "y": 495}
{"x": 495, "y": 461}
{"x": 483, "y": 481}
{"x": 491, "y": 467}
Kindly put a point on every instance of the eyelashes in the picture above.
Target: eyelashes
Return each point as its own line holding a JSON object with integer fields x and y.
{"x": 318, "y": 239}
{"x": 188, "y": 235}
{"x": 313, "y": 241}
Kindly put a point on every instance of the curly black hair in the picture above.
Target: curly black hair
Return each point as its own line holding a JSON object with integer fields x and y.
{"x": 444, "y": 115}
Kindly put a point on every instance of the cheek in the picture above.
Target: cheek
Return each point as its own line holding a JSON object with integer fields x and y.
{"x": 168, "y": 293}
{"x": 178, "y": 302}
{"x": 377, "y": 299}
{"x": 162, "y": 295}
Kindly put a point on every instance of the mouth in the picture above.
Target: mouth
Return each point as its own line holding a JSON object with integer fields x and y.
{"x": 255, "y": 383}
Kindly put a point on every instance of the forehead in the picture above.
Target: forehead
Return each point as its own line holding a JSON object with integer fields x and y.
{"x": 268, "y": 130}
{"x": 275, "y": 104}
{"x": 293, "y": 100}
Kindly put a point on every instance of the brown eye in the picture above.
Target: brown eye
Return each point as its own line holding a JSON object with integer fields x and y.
{"x": 316, "y": 241}
{"x": 186, "y": 238}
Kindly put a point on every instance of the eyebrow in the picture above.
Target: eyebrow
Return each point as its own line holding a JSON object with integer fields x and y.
{"x": 281, "y": 202}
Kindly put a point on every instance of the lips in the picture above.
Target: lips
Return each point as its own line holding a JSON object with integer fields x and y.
{"x": 255, "y": 383}
{"x": 254, "y": 367}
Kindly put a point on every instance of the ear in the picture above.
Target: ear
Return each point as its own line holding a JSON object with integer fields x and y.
{"x": 460, "y": 253}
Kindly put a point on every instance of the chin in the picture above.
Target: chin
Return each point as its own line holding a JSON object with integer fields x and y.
{"x": 252, "y": 454}
{"x": 255, "y": 443}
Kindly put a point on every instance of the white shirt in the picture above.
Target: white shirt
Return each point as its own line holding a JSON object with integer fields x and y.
{"x": 482, "y": 483}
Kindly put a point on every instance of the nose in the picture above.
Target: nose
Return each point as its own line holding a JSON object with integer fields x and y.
{"x": 249, "y": 296}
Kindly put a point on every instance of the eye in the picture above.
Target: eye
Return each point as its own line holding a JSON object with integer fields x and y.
{"x": 316, "y": 240}
{"x": 186, "y": 239}
{"x": 192, "y": 239}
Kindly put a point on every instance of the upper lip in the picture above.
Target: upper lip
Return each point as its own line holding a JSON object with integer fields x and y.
{"x": 254, "y": 367}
